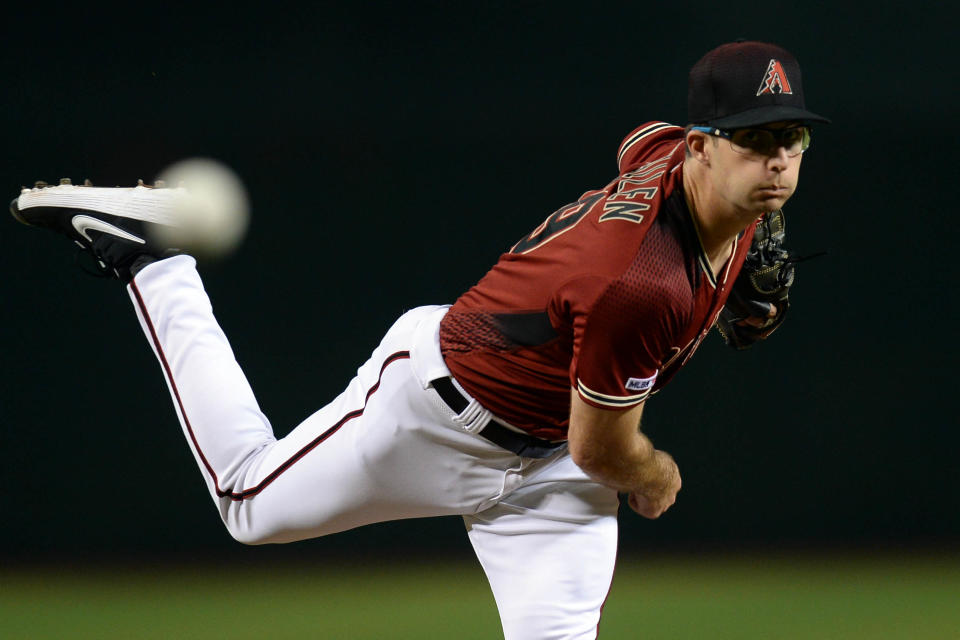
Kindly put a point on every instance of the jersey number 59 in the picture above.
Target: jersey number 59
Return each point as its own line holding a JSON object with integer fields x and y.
{"x": 560, "y": 221}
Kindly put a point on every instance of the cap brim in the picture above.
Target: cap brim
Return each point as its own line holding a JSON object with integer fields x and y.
{"x": 766, "y": 115}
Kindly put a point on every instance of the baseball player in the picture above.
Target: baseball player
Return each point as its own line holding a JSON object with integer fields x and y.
{"x": 518, "y": 407}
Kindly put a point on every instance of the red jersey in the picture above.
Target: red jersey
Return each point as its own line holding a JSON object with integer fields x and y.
{"x": 611, "y": 295}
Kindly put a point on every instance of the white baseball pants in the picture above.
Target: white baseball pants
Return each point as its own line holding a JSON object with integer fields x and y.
{"x": 386, "y": 448}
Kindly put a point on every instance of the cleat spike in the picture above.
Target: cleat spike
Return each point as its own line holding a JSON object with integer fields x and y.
{"x": 65, "y": 181}
{"x": 87, "y": 183}
{"x": 40, "y": 184}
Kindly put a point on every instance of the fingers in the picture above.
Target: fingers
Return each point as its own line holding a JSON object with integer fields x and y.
{"x": 653, "y": 505}
{"x": 760, "y": 323}
{"x": 651, "y": 509}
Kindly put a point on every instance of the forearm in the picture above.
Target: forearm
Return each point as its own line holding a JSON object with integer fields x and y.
{"x": 637, "y": 466}
{"x": 612, "y": 450}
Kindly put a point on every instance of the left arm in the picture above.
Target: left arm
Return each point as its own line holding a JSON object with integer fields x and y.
{"x": 760, "y": 297}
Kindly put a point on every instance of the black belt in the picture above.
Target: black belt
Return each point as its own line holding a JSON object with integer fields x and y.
{"x": 519, "y": 443}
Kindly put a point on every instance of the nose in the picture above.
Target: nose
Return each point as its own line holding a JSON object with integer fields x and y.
{"x": 779, "y": 160}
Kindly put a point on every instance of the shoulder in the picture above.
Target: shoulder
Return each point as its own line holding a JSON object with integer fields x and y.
{"x": 660, "y": 277}
{"x": 633, "y": 256}
{"x": 646, "y": 142}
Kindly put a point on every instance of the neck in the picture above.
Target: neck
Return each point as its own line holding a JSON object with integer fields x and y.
{"x": 718, "y": 223}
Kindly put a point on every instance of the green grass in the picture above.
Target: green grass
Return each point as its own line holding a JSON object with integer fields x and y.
{"x": 750, "y": 596}
{"x": 809, "y": 597}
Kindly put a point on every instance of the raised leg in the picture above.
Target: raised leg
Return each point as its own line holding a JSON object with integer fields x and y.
{"x": 384, "y": 449}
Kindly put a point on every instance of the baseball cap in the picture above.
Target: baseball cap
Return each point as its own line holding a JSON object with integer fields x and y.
{"x": 746, "y": 83}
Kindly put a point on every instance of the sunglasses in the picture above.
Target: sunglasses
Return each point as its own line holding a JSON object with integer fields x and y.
{"x": 757, "y": 140}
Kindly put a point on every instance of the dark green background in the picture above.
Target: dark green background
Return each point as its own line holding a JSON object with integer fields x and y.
{"x": 391, "y": 154}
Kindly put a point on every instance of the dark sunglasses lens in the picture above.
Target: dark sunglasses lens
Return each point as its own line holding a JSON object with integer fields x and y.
{"x": 795, "y": 140}
{"x": 746, "y": 140}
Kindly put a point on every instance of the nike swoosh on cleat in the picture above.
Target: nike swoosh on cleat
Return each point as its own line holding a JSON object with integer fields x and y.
{"x": 88, "y": 223}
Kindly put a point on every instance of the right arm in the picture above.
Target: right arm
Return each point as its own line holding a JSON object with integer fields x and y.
{"x": 609, "y": 447}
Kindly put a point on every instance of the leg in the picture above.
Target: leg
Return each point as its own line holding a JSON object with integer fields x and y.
{"x": 384, "y": 449}
{"x": 548, "y": 550}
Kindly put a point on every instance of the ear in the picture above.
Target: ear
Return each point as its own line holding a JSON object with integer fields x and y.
{"x": 697, "y": 146}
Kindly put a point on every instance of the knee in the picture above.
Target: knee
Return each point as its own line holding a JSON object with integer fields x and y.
{"x": 248, "y": 533}
{"x": 248, "y": 536}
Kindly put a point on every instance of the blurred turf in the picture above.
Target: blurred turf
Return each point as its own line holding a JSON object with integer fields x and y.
{"x": 713, "y": 597}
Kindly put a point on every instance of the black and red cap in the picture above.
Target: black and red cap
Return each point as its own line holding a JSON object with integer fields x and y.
{"x": 744, "y": 84}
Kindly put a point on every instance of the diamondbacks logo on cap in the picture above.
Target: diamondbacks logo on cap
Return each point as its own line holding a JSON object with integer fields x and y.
{"x": 774, "y": 80}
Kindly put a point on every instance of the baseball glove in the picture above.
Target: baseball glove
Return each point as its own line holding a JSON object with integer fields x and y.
{"x": 763, "y": 284}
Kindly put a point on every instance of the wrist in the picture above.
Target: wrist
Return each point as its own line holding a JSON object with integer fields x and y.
{"x": 657, "y": 473}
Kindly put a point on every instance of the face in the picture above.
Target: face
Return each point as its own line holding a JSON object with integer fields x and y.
{"x": 754, "y": 181}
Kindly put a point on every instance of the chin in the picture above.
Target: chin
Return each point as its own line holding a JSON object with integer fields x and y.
{"x": 772, "y": 204}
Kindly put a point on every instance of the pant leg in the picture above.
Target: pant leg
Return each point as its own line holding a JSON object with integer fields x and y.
{"x": 548, "y": 550}
{"x": 384, "y": 449}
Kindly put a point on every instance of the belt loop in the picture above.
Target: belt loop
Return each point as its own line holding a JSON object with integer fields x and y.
{"x": 474, "y": 418}
{"x": 470, "y": 415}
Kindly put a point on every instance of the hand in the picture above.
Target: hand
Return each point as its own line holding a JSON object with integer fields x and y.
{"x": 652, "y": 500}
{"x": 759, "y": 298}
{"x": 760, "y": 323}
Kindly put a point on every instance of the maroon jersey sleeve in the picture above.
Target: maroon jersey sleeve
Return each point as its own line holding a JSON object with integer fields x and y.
{"x": 643, "y": 143}
{"x": 635, "y": 323}
{"x": 616, "y": 357}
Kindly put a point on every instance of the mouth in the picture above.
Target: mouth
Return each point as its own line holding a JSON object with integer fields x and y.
{"x": 772, "y": 189}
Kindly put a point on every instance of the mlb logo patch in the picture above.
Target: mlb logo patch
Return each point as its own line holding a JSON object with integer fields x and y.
{"x": 640, "y": 384}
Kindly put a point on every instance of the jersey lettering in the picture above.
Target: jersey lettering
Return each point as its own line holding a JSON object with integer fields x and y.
{"x": 560, "y": 221}
{"x": 642, "y": 173}
{"x": 630, "y": 182}
{"x": 616, "y": 209}
{"x": 626, "y": 185}
{"x": 647, "y": 193}
{"x": 629, "y": 211}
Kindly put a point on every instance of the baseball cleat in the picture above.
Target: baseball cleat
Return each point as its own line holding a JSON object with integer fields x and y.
{"x": 114, "y": 224}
